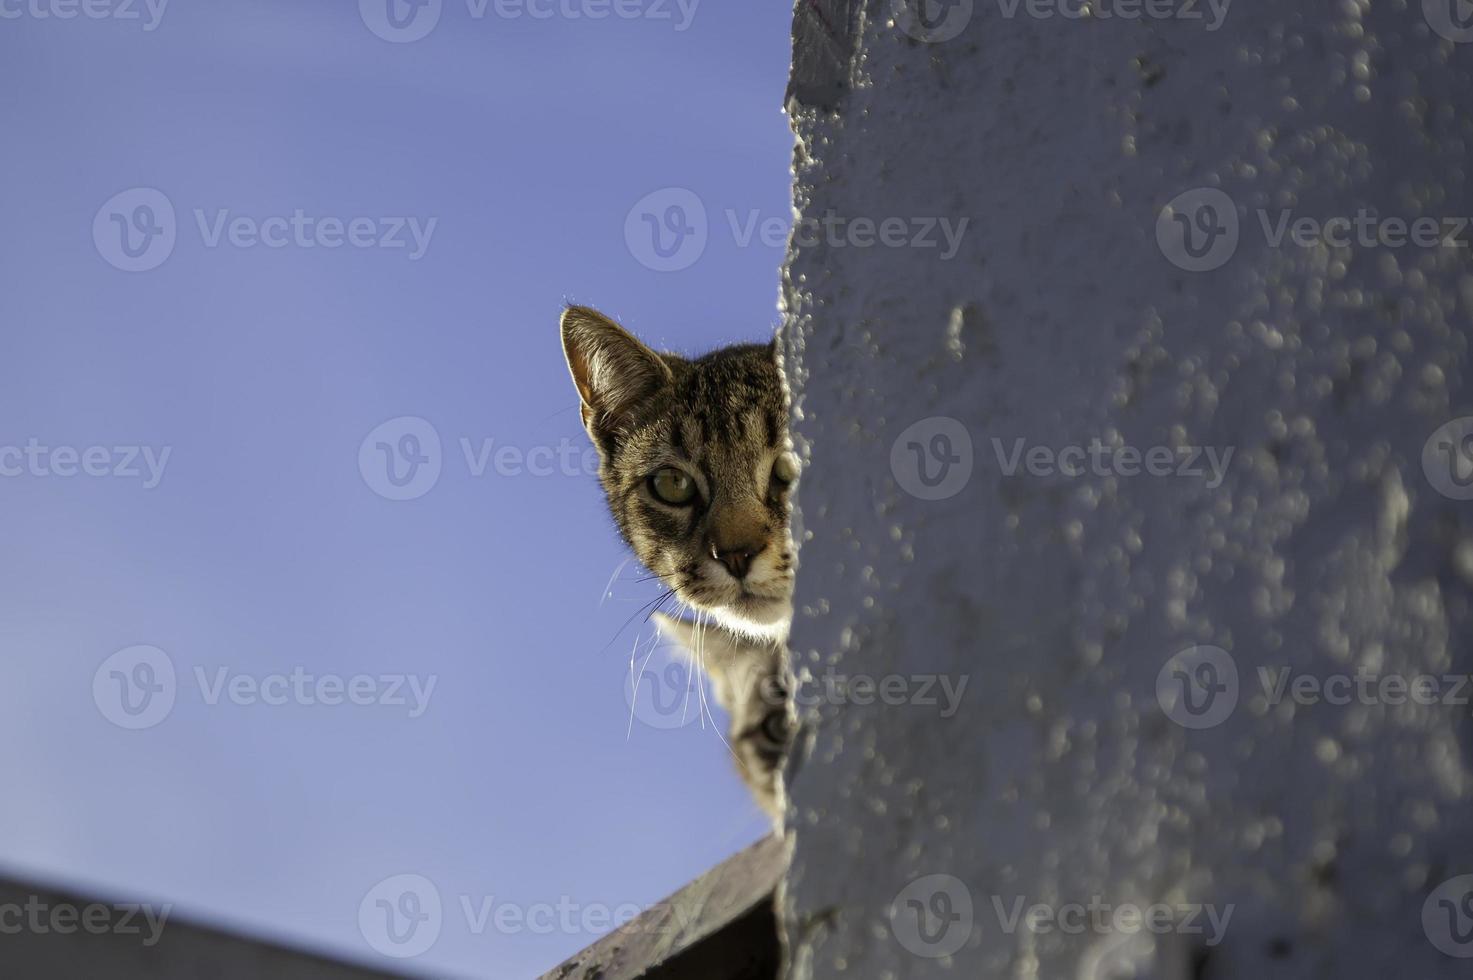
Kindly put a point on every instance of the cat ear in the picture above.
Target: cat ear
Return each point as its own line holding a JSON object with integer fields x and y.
{"x": 728, "y": 661}
{"x": 612, "y": 370}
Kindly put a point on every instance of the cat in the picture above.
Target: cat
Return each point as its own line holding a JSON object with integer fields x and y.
{"x": 697, "y": 466}
{"x": 698, "y": 471}
{"x": 751, "y": 682}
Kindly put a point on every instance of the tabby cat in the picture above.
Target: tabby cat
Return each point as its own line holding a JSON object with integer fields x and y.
{"x": 696, "y": 464}
{"x": 695, "y": 461}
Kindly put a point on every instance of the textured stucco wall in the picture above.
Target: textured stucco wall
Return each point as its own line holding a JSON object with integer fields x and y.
{"x": 1065, "y": 318}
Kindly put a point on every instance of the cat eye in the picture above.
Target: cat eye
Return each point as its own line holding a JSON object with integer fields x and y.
{"x": 785, "y": 469}
{"x": 672, "y": 486}
{"x": 775, "y": 727}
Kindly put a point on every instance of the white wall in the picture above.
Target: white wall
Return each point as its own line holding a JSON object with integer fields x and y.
{"x": 1322, "y": 830}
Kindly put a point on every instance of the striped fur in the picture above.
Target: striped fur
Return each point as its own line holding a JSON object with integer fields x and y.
{"x": 720, "y": 419}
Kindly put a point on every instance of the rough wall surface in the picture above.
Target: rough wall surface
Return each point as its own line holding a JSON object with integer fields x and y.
{"x": 1104, "y": 750}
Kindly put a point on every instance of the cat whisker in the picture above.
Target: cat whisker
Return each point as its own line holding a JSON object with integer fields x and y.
{"x": 634, "y": 685}
{"x": 703, "y": 621}
{"x": 663, "y": 599}
{"x": 609, "y": 586}
{"x": 685, "y": 707}
{"x": 653, "y": 605}
{"x": 562, "y": 411}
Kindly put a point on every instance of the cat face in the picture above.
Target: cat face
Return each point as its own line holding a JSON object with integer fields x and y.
{"x": 695, "y": 461}
{"x": 751, "y": 683}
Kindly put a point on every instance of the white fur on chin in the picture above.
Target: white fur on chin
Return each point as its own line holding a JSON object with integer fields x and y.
{"x": 772, "y": 631}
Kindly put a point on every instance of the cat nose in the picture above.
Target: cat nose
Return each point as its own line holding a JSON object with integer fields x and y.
{"x": 738, "y": 561}
{"x": 737, "y": 534}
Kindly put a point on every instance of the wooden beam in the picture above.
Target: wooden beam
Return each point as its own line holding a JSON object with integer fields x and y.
{"x": 50, "y": 932}
{"x": 721, "y": 926}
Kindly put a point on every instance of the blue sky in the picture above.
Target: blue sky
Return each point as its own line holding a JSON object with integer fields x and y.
{"x": 266, "y": 161}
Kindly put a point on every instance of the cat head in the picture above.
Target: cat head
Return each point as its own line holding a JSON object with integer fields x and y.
{"x": 697, "y": 467}
{"x": 751, "y": 683}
